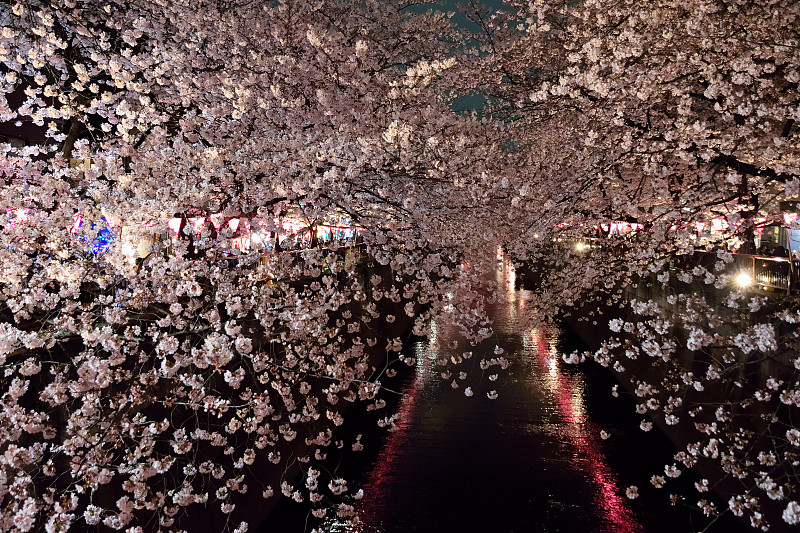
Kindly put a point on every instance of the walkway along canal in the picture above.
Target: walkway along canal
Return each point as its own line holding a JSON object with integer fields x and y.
{"x": 532, "y": 460}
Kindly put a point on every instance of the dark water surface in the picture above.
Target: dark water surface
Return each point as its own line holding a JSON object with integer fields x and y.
{"x": 532, "y": 460}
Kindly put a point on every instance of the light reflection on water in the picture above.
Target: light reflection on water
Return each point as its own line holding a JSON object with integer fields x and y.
{"x": 528, "y": 461}
{"x": 567, "y": 392}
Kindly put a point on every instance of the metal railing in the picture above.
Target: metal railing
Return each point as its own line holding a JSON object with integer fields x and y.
{"x": 778, "y": 273}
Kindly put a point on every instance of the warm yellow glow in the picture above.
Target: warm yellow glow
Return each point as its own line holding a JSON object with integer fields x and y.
{"x": 135, "y": 245}
{"x": 744, "y": 280}
{"x": 581, "y": 247}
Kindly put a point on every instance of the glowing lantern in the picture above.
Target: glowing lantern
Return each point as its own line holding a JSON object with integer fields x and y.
{"x": 175, "y": 225}
{"x": 197, "y": 223}
{"x": 78, "y": 218}
{"x": 216, "y": 220}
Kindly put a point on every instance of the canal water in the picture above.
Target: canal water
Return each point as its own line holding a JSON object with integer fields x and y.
{"x": 531, "y": 460}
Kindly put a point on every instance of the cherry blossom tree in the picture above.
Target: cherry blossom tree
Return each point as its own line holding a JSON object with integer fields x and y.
{"x": 662, "y": 116}
{"x": 150, "y": 381}
{"x": 653, "y": 114}
{"x": 142, "y": 390}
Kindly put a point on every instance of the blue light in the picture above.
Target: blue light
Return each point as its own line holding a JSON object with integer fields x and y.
{"x": 104, "y": 238}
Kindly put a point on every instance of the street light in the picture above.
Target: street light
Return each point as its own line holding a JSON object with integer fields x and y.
{"x": 743, "y": 279}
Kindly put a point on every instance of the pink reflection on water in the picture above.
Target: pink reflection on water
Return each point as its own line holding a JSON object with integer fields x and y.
{"x": 568, "y": 395}
{"x": 384, "y": 469}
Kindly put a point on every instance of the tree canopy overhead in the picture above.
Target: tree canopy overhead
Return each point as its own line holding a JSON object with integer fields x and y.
{"x": 154, "y": 378}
